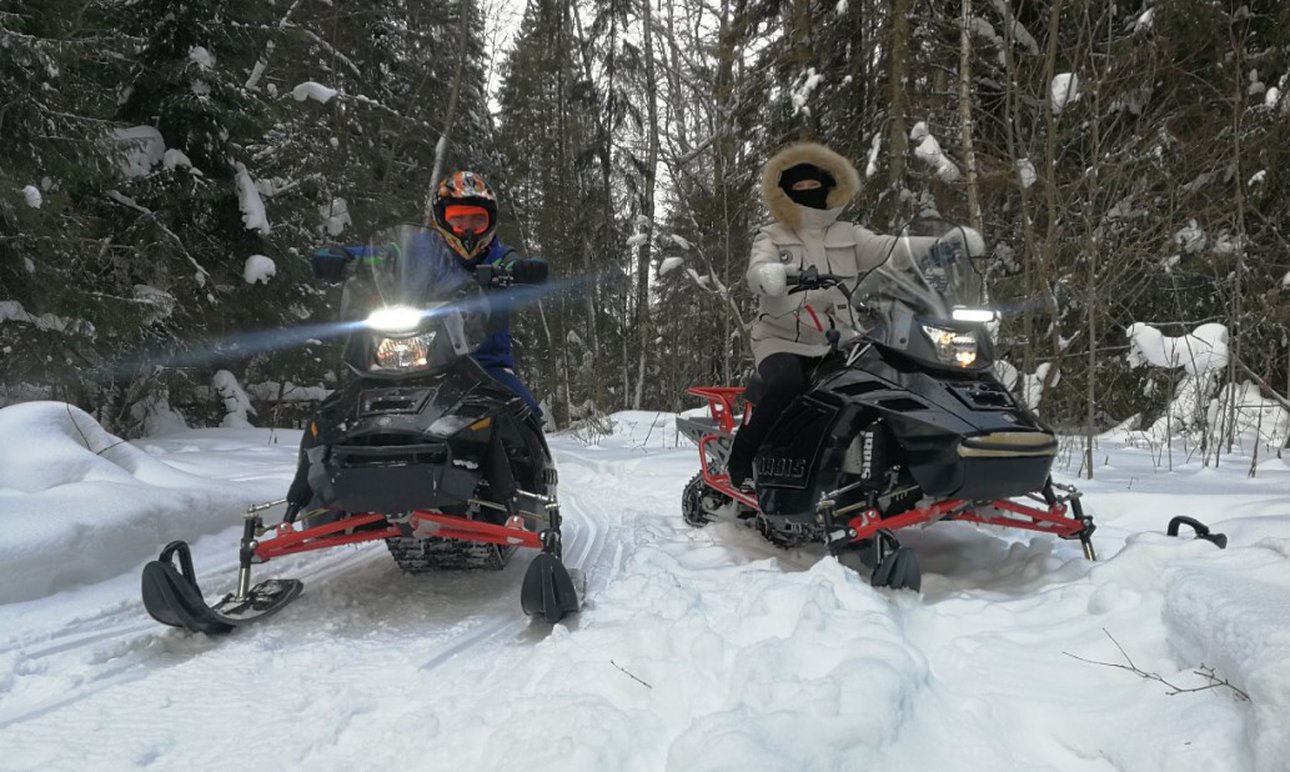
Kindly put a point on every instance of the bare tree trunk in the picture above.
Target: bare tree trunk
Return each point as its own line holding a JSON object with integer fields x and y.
{"x": 897, "y": 77}
{"x": 647, "y": 205}
{"x": 441, "y": 147}
{"x": 965, "y": 118}
{"x": 1049, "y": 249}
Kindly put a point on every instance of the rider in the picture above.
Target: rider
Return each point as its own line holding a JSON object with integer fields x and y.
{"x": 805, "y": 186}
{"x": 464, "y": 211}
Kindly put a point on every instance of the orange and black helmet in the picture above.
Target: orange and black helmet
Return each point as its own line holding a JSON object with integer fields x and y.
{"x": 470, "y": 191}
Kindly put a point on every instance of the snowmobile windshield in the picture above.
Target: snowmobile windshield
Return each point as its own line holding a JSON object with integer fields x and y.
{"x": 929, "y": 271}
{"x": 420, "y": 306}
{"x": 927, "y": 299}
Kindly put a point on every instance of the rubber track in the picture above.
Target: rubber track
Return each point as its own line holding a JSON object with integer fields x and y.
{"x": 420, "y": 555}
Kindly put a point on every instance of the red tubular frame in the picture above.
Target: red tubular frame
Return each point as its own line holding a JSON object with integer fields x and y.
{"x": 1053, "y": 519}
{"x": 289, "y": 541}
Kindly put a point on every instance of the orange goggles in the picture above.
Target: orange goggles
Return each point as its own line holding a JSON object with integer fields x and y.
{"x": 455, "y": 211}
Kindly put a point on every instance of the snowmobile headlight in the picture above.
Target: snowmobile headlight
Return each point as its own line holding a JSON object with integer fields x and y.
{"x": 980, "y": 315}
{"x": 394, "y": 319}
{"x": 403, "y": 353}
{"x": 953, "y": 347}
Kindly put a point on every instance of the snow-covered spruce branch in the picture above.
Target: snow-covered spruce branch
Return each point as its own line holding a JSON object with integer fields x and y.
{"x": 1204, "y": 671}
{"x": 128, "y": 202}
{"x": 328, "y": 47}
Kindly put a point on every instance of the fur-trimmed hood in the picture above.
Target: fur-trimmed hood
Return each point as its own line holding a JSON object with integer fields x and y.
{"x": 782, "y": 208}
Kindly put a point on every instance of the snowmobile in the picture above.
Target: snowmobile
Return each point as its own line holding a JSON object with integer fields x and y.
{"x": 420, "y": 448}
{"x": 901, "y": 425}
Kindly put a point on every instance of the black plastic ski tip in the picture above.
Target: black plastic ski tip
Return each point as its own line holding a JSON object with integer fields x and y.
{"x": 899, "y": 571}
{"x": 897, "y": 566}
{"x": 548, "y": 590}
{"x": 1202, "y": 531}
{"x": 173, "y": 598}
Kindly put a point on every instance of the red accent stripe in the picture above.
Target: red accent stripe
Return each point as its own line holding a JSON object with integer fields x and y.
{"x": 814, "y": 318}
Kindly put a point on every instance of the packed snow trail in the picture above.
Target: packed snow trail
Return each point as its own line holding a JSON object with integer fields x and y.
{"x": 697, "y": 648}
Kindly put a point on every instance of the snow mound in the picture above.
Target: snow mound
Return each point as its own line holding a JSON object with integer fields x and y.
{"x": 1201, "y": 351}
{"x": 1233, "y": 615}
{"x": 312, "y": 90}
{"x": 78, "y": 504}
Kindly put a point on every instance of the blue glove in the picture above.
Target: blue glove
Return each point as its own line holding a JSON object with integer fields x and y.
{"x": 329, "y": 263}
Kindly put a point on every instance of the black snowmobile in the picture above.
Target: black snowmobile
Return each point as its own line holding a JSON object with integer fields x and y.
{"x": 420, "y": 448}
{"x": 904, "y": 424}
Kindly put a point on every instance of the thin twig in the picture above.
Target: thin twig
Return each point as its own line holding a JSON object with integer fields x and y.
{"x": 1204, "y": 671}
{"x": 633, "y": 677}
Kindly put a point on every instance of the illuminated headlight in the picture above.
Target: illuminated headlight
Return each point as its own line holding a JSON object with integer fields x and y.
{"x": 403, "y": 353}
{"x": 953, "y": 347}
{"x": 394, "y": 319}
{"x": 980, "y": 315}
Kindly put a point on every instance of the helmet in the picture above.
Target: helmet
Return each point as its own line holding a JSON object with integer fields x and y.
{"x": 465, "y": 189}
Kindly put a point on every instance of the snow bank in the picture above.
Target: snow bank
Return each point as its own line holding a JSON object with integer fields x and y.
{"x": 1233, "y": 615}
{"x": 78, "y": 504}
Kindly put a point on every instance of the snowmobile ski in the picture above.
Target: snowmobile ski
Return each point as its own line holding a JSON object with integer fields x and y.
{"x": 173, "y": 597}
{"x": 548, "y": 591}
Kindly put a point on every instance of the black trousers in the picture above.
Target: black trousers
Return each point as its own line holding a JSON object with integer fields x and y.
{"x": 785, "y": 376}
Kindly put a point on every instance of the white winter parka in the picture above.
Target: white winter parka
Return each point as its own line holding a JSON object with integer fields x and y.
{"x": 802, "y": 237}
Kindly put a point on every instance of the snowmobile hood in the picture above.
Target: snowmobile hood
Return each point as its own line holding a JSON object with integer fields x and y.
{"x": 794, "y": 215}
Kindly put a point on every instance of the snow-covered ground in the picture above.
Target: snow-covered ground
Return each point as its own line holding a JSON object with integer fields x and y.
{"x": 698, "y": 649}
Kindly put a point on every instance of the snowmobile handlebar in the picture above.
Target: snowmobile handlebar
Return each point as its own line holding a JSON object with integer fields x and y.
{"x": 811, "y": 279}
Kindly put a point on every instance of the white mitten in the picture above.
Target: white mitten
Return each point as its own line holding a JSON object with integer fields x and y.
{"x": 769, "y": 279}
{"x": 971, "y": 239}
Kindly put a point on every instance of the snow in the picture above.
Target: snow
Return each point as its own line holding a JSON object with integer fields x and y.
{"x": 248, "y": 198}
{"x": 141, "y": 147}
{"x": 875, "y": 147}
{"x": 12, "y": 310}
{"x": 669, "y": 264}
{"x": 802, "y": 94}
{"x": 236, "y": 403}
{"x": 201, "y": 57}
{"x": 1285, "y": 280}
{"x": 315, "y": 91}
{"x": 259, "y": 268}
{"x": 681, "y": 242}
{"x": 1191, "y": 237}
{"x": 1145, "y": 21}
{"x": 929, "y": 151}
{"x": 1064, "y": 91}
{"x": 1204, "y": 350}
{"x": 698, "y": 648}
{"x": 1257, "y": 178}
{"x": 1272, "y": 97}
{"x": 335, "y": 216}
{"x": 1026, "y": 172}
{"x": 163, "y": 303}
{"x": 31, "y": 194}
{"x": 177, "y": 159}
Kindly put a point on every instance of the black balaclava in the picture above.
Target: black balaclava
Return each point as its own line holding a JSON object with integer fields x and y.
{"x": 815, "y": 198}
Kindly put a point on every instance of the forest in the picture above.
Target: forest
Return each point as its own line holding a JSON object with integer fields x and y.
{"x": 166, "y": 169}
